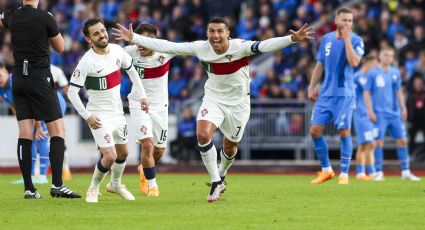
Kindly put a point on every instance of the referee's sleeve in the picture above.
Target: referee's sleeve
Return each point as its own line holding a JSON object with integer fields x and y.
{"x": 5, "y": 16}
{"x": 52, "y": 27}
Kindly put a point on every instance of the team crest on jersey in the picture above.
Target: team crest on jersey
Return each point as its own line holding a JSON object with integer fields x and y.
{"x": 161, "y": 59}
{"x": 394, "y": 76}
{"x": 107, "y": 138}
{"x": 229, "y": 57}
{"x": 118, "y": 63}
{"x": 76, "y": 73}
{"x": 204, "y": 112}
{"x": 144, "y": 129}
{"x": 380, "y": 81}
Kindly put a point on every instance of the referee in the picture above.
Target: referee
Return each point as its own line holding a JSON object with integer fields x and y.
{"x": 33, "y": 90}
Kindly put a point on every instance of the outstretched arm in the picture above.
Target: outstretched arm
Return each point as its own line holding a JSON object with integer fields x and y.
{"x": 159, "y": 45}
{"x": 275, "y": 44}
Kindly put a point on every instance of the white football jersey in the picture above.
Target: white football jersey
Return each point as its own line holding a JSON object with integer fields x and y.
{"x": 153, "y": 70}
{"x": 101, "y": 76}
{"x": 58, "y": 76}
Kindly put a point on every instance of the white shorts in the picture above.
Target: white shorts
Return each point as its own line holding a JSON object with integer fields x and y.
{"x": 230, "y": 119}
{"x": 151, "y": 125}
{"x": 113, "y": 131}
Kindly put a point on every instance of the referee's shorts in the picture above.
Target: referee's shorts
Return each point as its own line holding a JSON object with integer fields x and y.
{"x": 34, "y": 95}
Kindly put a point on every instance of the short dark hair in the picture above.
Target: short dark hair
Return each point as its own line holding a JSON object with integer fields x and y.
{"x": 91, "y": 22}
{"x": 369, "y": 58}
{"x": 344, "y": 10}
{"x": 146, "y": 27}
{"x": 219, "y": 20}
{"x": 390, "y": 48}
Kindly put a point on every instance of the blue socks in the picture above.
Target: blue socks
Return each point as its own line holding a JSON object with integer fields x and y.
{"x": 33, "y": 156}
{"x": 346, "y": 153}
{"x": 360, "y": 169}
{"x": 43, "y": 149}
{"x": 379, "y": 158}
{"x": 403, "y": 156}
{"x": 322, "y": 151}
{"x": 371, "y": 169}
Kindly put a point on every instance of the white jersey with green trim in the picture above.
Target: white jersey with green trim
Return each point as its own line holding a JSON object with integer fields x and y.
{"x": 101, "y": 76}
{"x": 153, "y": 70}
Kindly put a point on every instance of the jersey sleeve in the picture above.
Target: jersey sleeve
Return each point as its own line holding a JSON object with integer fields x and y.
{"x": 59, "y": 76}
{"x": 127, "y": 60}
{"x": 52, "y": 27}
{"x": 164, "y": 46}
{"x": 358, "y": 46}
{"x": 5, "y": 17}
{"x": 79, "y": 75}
{"x": 320, "y": 55}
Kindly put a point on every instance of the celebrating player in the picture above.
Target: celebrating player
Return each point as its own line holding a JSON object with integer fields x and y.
{"x": 99, "y": 71}
{"x": 338, "y": 54}
{"x": 226, "y": 104}
{"x": 152, "y": 127}
{"x": 365, "y": 130}
{"x": 387, "y": 109}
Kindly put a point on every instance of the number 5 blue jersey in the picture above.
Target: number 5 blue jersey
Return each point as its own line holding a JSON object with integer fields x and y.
{"x": 338, "y": 79}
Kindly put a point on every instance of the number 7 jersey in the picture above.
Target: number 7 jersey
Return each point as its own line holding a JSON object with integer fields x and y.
{"x": 101, "y": 76}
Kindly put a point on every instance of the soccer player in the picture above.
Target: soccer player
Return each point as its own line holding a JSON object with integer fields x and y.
{"x": 226, "y": 104}
{"x": 99, "y": 71}
{"x": 387, "y": 109}
{"x": 365, "y": 130}
{"x": 339, "y": 52}
{"x": 152, "y": 127}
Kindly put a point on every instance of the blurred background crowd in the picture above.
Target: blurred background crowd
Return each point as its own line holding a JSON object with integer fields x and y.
{"x": 398, "y": 23}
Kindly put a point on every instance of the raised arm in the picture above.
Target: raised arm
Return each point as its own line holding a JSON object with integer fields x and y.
{"x": 159, "y": 45}
{"x": 278, "y": 43}
{"x": 353, "y": 56}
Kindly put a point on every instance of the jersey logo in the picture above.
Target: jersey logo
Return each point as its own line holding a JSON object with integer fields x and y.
{"x": 76, "y": 73}
{"x": 107, "y": 138}
{"x": 394, "y": 77}
{"x": 144, "y": 129}
{"x": 362, "y": 81}
{"x": 98, "y": 71}
{"x": 380, "y": 81}
{"x": 118, "y": 63}
{"x": 161, "y": 59}
{"x": 48, "y": 79}
{"x": 204, "y": 112}
{"x": 229, "y": 57}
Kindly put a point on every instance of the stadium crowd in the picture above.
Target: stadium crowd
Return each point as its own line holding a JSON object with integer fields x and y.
{"x": 380, "y": 23}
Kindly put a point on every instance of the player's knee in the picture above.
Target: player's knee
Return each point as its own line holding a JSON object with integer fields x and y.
{"x": 203, "y": 137}
{"x": 401, "y": 142}
{"x": 315, "y": 132}
{"x": 121, "y": 156}
{"x": 158, "y": 153}
{"x": 147, "y": 146}
{"x": 230, "y": 150}
{"x": 109, "y": 157}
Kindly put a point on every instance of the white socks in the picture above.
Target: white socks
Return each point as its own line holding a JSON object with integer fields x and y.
{"x": 97, "y": 178}
{"x": 117, "y": 170}
{"x": 210, "y": 161}
{"x": 225, "y": 163}
{"x": 152, "y": 183}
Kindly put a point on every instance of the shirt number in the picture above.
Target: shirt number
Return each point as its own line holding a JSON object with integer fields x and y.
{"x": 328, "y": 48}
{"x": 102, "y": 83}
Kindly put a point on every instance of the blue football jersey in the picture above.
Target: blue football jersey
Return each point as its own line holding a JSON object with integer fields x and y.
{"x": 384, "y": 87}
{"x": 6, "y": 93}
{"x": 338, "y": 79}
{"x": 359, "y": 84}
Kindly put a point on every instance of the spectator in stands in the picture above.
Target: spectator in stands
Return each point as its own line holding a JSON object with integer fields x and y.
{"x": 183, "y": 148}
{"x": 416, "y": 110}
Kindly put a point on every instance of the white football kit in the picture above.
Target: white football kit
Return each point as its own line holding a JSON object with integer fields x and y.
{"x": 153, "y": 70}
{"x": 101, "y": 76}
{"x": 226, "y": 102}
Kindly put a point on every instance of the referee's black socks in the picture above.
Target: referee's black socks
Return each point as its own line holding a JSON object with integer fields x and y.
{"x": 57, "y": 149}
{"x": 24, "y": 158}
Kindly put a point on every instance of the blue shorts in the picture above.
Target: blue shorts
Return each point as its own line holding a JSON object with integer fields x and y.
{"x": 394, "y": 124}
{"x": 364, "y": 128}
{"x": 340, "y": 109}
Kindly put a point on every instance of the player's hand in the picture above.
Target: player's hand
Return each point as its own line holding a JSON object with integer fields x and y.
{"x": 145, "y": 104}
{"x": 346, "y": 33}
{"x": 404, "y": 115}
{"x": 94, "y": 122}
{"x": 312, "y": 93}
{"x": 302, "y": 34}
{"x": 372, "y": 117}
{"x": 122, "y": 33}
{"x": 40, "y": 134}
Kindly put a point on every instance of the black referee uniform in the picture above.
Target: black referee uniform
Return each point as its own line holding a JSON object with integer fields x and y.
{"x": 33, "y": 89}
{"x": 32, "y": 82}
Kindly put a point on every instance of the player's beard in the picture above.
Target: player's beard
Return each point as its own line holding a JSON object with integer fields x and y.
{"x": 101, "y": 43}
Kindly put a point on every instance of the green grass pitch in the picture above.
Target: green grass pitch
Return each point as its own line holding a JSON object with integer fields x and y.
{"x": 250, "y": 202}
